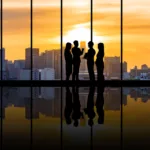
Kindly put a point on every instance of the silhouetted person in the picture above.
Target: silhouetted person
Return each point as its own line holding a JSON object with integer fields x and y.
{"x": 100, "y": 104}
{"x": 90, "y": 106}
{"x": 100, "y": 62}
{"x": 90, "y": 60}
{"x": 68, "y": 59}
{"x": 76, "y": 60}
{"x": 76, "y": 114}
{"x": 68, "y": 107}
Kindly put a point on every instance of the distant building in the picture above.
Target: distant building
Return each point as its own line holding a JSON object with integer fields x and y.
{"x": 34, "y": 58}
{"x": 12, "y": 71}
{"x": 46, "y": 59}
{"x": 126, "y": 75}
{"x": 20, "y": 64}
{"x": 141, "y": 74}
{"x": 3, "y": 59}
{"x": 25, "y": 74}
{"x": 47, "y": 74}
{"x": 57, "y": 64}
{"x": 124, "y": 66}
{"x": 112, "y": 67}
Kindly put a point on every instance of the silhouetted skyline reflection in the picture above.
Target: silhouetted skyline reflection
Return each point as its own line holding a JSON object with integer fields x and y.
{"x": 83, "y": 108}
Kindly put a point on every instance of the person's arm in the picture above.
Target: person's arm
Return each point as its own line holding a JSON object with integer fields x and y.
{"x": 82, "y": 51}
{"x": 103, "y": 52}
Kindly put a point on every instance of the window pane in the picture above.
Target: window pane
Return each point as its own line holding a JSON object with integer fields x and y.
{"x": 46, "y": 118}
{"x": 16, "y": 38}
{"x": 136, "y": 117}
{"x": 107, "y": 131}
{"x": 136, "y": 32}
{"x": 76, "y": 26}
{"x": 46, "y": 39}
{"x": 106, "y": 29}
{"x": 76, "y": 131}
{"x": 16, "y": 117}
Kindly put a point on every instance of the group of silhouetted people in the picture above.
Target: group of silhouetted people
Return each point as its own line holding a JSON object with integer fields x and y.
{"x": 73, "y": 110}
{"x": 72, "y": 57}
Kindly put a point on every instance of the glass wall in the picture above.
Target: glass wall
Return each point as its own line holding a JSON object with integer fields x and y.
{"x": 46, "y": 39}
{"x": 16, "y": 40}
{"x": 136, "y": 33}
{"x": 76, "y": 26}
{"x": 106, "y": 29}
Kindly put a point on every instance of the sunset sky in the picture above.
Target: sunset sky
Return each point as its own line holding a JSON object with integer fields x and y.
{"x": 76, "y": 25}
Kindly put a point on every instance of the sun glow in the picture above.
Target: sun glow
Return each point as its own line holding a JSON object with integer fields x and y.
{"x": 81, "y": 34}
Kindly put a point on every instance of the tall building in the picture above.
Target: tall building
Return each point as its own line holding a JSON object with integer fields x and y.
{"x": 3, "y": 59}
{"x": 35, "y": 57}
{"x": 41, "y": 64}
{"x": 83, "y": 66}
{"x": 47, "y": 74}
{"x": 46, "y": 59}
{"x": 57, "y": 64}
{"x": 20, "y": 64}
{"x": 124, "y": 66}
{"x": 49, "y": 59}
{"x": 112, "y": 67}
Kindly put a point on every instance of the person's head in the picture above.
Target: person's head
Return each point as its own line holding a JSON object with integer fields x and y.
{"x": 76, "y": 44}
{"x": 101, "y": 46}
{"x": 90, "y": 44}
{"x": 68, "y": 46}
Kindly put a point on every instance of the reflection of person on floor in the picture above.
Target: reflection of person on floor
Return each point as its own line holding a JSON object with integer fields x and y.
{"x": 90, "y": 106}
{"x": 68, "y": 59}
{"x": 68, "y": 107}
{"x": 76, "y": 60}
{"x": 76, "y": 114}
{"x": 100, "y": 104}
{"x": 90, "y": 60}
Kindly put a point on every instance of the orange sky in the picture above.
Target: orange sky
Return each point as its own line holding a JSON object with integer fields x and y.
{"x": 76, "y": 15}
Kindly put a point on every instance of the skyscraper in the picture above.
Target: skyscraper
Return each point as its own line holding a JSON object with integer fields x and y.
{"x": 49, "y": 59}
{"x": 35, "y": 57}
{"x": 57, "y": 64}
{"x": 112, "y": 67}
{"x": 3, "y": 59}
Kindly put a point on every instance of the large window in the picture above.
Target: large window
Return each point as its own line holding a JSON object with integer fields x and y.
{"x": 16, "y": 40}
{"x": 33, "y": 40}
{"x": 136, "y": 32}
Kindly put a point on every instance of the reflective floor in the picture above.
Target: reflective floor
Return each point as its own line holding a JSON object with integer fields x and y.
{"x": 75, "y": 118}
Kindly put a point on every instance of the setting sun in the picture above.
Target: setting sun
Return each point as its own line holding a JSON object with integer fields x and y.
{"x": 80, "y": 34}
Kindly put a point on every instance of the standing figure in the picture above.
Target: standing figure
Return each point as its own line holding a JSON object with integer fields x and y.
{"x": 100, "y": 62}
{"x": 76, "y": 60}
{"x": 90, "y": 60}
{"x": 68, "y": 59}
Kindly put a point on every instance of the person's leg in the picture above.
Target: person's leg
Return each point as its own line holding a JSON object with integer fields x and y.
{"x": 91, "y": 72}
{"x": 66, "y": 71}
{"x": 74, "y": 72}
{"x": 77, "y": 71}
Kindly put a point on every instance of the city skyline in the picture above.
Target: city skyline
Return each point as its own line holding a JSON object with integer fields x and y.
{"x": 46, "y": 27}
